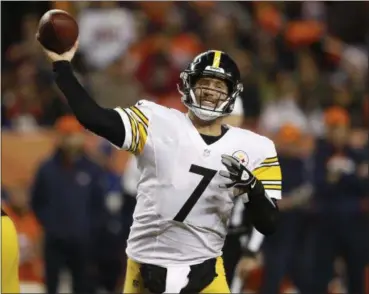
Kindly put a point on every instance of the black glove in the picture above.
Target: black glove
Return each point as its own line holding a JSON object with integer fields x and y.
{"x": 241, "y": 177}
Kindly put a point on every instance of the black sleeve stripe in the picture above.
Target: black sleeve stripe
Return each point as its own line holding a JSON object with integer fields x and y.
{"x": 271, "y": 158}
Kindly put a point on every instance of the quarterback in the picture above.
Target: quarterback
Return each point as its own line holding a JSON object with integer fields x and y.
{"x": 192, "y": 167}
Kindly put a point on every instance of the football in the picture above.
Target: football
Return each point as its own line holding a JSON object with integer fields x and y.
{"x": 57, "y": 31}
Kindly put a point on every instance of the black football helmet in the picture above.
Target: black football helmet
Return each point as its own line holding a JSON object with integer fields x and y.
{"x": 214, "y": 64}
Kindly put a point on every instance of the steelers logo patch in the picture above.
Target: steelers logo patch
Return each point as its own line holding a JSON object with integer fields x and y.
{"x": 241, "y": 156}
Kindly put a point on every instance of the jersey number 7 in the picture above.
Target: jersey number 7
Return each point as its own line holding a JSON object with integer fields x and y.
{"x": 208, "y": 175}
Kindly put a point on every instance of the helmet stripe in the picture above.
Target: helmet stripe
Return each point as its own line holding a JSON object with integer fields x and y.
{"x": 216, "y": 60}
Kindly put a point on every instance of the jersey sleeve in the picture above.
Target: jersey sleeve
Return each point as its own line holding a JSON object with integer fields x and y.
{"x": 136, "y": 120}
{"x": 269, "y": 173}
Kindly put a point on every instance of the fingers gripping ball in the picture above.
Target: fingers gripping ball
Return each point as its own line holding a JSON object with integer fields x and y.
{"x": 57, "y": 31}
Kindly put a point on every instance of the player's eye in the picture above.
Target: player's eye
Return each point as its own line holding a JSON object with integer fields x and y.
{"x": 204, "y": 83}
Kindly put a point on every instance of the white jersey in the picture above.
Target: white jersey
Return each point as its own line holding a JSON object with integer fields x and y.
{"x": 181, "y": 213}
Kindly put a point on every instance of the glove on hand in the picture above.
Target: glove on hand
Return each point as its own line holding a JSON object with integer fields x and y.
{"x": 242, "y": 179}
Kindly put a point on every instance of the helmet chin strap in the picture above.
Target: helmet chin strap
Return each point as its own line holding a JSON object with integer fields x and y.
{"x": 203, "y": 113}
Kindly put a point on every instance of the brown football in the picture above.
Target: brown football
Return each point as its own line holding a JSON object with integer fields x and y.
{"x": 57, "y": 31}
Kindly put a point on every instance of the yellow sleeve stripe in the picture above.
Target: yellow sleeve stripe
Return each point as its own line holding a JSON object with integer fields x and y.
{"x": 273, "y": 187}
{"x": 142, "y": 138}
{"x": 139, "y": 134}
{"x": 268, "y": 173}
{"x": 137, "y": 138}
{"x": 270, "y": 160}
{"x": 140, "y": 115}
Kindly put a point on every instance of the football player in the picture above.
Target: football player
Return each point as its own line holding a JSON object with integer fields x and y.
{"x": 192, "y": 167}
{"x": 9, "y": 256}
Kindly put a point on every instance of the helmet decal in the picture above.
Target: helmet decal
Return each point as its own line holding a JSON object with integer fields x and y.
{"x": 216, "y": 60}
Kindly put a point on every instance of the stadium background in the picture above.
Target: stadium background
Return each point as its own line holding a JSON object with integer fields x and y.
{"x": 303, "y": 65}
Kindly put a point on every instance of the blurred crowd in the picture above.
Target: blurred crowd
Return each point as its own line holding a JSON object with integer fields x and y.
{"x": 304, "y": 69}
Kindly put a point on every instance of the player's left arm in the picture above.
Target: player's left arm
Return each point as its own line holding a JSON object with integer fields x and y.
{"x": 259, "y": 189}
{"x": 267, "y": 190}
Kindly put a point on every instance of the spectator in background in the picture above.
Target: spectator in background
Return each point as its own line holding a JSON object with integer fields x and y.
{"x": 313, "y": 87}
{"x": 341, "y": 226}
{"x": 285, "y": 108}
{"x": 220, "y": 31}
{"x": 280, "y": 250}
{"x": 27, "y": 47}
{"x": 250, "y": 96}
{"x": 20, "y": 98}
{"x": 29, "y": 238}
{"x": 67, "y": 198}
{"x": 28, "y": 101}
{"x": 106, "y": 31}
{"x": 115, "y": 85}
{"x": 116, "y": 222}
{"x": 158, "y": 74}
